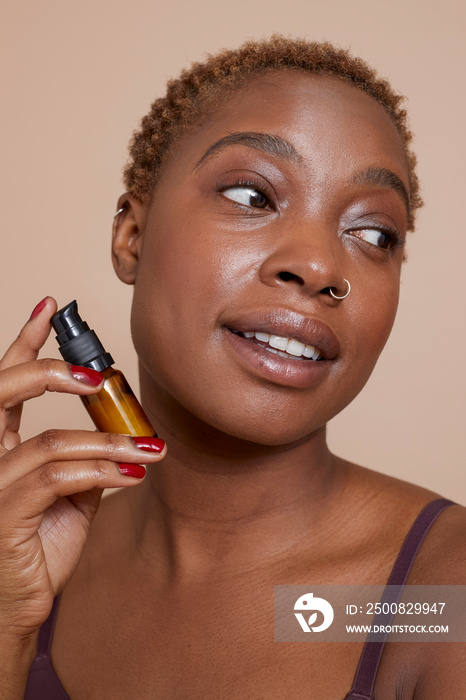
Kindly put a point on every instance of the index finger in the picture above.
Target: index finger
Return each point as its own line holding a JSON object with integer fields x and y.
{"x": 32, "y": 335}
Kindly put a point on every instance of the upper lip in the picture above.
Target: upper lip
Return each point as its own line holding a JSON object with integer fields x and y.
{"x": 290, "y": 324}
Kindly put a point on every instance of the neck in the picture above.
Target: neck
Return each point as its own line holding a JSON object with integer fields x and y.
{"x": 217, "y": 503}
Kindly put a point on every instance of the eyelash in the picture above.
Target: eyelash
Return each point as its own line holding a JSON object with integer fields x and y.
{"x": 396, "y": 240}
{"x": 245, "y": 182}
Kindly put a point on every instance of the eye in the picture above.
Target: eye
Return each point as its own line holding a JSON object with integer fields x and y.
{"x": 248, "y": 196}
{"x": 377, "y": 237}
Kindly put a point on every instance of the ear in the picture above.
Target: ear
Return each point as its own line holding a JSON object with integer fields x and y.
{"x": 128, "y": 227}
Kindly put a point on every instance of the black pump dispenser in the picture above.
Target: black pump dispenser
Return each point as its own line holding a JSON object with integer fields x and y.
{"x": 78, "y": 344}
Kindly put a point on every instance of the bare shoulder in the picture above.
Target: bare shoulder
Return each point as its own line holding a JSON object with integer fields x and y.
{"x": 441, "y": 559}
{"x": 441, "y": 669}
{"x": 390, "y": 506}
{"x": 425, "y": 671}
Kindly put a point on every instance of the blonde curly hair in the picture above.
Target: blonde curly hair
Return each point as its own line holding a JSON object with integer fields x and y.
{"x": 200, "y": 87}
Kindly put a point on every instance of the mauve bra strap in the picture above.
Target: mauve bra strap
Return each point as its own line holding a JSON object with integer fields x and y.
{"x": 43, "y": 683}
{"x": 366, "y": 672}
{"x": 45, "y": 637}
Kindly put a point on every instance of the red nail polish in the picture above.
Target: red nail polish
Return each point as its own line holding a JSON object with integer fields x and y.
{"x": 86, "y": 375}
{"x": 149, "y": 444}
{"x": 137, "y": 471}
{"x": 37, "y": 309}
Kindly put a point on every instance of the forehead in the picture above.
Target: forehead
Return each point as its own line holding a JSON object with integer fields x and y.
{"x": 331, "y": 123}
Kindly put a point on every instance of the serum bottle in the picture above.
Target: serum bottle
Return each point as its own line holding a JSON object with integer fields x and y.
{"x": 114, "y": 409}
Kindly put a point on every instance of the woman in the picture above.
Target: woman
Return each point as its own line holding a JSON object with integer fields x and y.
{"x": 268, "y": 199}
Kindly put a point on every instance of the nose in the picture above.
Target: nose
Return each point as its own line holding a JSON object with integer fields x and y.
{"x": 308, "y": 260}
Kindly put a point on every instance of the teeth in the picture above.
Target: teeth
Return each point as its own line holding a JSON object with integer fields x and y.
{"x": 276, "y": 341}
{"x": 295, "y": 348}
{"x": 288, "y": 345}
{"x": 311, "y": 352}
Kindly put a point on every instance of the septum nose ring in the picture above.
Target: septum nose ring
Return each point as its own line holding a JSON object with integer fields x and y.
{"x": 332, "y": 293}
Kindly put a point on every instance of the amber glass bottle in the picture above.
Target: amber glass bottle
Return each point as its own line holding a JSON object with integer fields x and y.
{"x": 114, "y": 409}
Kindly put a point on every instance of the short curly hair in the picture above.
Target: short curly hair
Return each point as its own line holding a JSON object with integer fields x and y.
{"x": 198, "y": 89}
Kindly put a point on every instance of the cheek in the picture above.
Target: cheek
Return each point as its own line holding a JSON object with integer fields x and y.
{"x": 369, "y": 322}
{"x": 194, "y": 269}
{"x": 384, "y": 309}
{"x": 373, "y": 314}
{"x": 184, "y": 280}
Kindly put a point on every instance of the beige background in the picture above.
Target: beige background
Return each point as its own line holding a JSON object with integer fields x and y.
{"x": 77, "y": 77}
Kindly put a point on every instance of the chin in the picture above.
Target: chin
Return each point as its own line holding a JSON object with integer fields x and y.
{"x": 218, "y": 409}
{"x": 265, "y": 426}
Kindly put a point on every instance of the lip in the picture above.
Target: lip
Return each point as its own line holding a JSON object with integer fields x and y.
{"x": 273, "y": 367}
{"x": 291, "y": 324}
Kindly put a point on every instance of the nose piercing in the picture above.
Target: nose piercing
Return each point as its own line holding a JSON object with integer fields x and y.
{"x": 332, "y": 293}
{"x": 119, "y": 212}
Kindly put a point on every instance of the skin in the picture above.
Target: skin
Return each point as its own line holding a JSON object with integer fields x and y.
{"x": 249, "y": 496}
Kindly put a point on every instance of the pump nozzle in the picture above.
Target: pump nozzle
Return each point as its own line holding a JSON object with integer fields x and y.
{"x": 77, "y": 343}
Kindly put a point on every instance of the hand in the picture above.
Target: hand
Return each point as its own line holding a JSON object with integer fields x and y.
{"x": 50, "y": 485}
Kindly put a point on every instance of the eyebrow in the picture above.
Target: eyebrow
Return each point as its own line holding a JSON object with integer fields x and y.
{"x": 268, "y": 143}
{"x": 382, "y": 177}
{"x": 279, "y": 147}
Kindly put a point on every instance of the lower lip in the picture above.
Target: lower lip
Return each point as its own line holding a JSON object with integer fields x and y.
{"x": 276, "y": 369}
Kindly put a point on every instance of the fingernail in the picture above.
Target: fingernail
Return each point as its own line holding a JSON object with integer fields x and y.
{"x": 86, "y": 375}
{"x": 137, "y": 471}
{"x": 149, "y": 444}
{"x": 37, "y": 309}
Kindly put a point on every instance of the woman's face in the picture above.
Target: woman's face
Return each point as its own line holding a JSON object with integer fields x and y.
{"x": 296, "y": 183}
